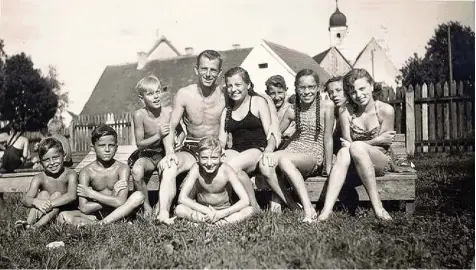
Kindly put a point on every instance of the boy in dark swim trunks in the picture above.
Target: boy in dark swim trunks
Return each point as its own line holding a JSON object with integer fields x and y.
{"x": 151, "y": 127}
{"x": 205, "y": 196}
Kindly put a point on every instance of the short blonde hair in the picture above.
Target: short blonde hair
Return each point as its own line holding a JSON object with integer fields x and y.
{"x": 209, "y": 143}
{"x": 148, "y": 83}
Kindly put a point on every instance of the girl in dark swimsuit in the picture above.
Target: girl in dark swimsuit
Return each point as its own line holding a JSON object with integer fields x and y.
{"x": 16, "y": 149}
{"x": 368, "y": 131}
{"x": 247, "y": 118}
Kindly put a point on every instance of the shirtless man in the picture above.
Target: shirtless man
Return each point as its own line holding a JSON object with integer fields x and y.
{"x": 201, "y": 106}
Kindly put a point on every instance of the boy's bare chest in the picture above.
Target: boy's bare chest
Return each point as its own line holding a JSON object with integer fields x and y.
{"x": 151, "y": 125}
{"x": 215, "y": 186}
{"x": 103, "y": 180}
{"x": 53, "y": 185}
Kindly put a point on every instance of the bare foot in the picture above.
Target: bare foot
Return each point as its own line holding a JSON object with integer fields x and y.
{"x": 165, "y": 219}
{"x": 147, "y": 211}
{"x": 324, "y": 216}
{"x": 383, "y": 215}
{"x": 310, "y": 215}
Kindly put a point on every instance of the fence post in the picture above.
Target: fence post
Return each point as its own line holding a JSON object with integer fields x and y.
{"x": 424, "y": 117}
{"x": 132, "y": 136}
{"x": 71, "y": 135}
{"x": 410, "y": 121}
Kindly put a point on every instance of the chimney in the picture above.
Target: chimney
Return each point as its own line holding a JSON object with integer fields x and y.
{"x": 189, "y": 51}
{"x": 141, "y": 60}
{"x": 236, "y": 46}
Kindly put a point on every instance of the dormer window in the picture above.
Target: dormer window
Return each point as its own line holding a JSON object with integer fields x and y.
{"x": 263, "y": 65}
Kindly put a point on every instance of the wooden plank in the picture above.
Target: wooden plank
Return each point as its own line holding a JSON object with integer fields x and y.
{"x": 461, "y": 117}
{"x": 410, "y": 121}
{"x": 431, "y": 118}
{"x": 132, "y": 136}
{"x": 424, "y": 118}
{"x": 418, "y": 118}
{"x": 454, "y": 117}
{"x": 439, "y": 116}
{"x": 469, "y": 122}
{"x": 446, "y": 114}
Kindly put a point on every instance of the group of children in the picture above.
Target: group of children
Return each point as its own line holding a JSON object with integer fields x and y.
{"x": 232, "y": 133}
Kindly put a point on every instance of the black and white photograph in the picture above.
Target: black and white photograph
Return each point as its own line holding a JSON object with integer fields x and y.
{"x": 253, "y": 134}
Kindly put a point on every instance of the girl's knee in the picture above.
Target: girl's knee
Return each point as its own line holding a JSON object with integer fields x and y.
{"x": 357, "y": 148}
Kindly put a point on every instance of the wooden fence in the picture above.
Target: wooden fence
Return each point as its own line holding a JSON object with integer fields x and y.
{"x": 435, "y": 118}
{"x": 81, "y": 128}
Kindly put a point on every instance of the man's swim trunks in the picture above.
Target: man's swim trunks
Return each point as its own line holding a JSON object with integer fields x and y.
{"x": 154, "y": 155}
{"x": 190, "y": 146}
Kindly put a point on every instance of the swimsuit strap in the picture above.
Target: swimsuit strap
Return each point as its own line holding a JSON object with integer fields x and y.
{"x": 11, "y": 139}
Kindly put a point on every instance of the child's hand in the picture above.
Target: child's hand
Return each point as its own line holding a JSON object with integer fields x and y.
{"x": 211, "y": 215}
{"x": 164, "y": 130}
{"x": 42, "y": 205}
{"x": 83, "y": 191}
{"x": 269, "y": 159}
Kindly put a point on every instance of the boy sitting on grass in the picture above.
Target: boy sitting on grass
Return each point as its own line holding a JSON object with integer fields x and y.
{"x": 208, "y": 182}
{"x": 50, "y": 190}
{"x": 103, "y": 185}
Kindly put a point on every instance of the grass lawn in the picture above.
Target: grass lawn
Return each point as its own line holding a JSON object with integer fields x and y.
{"x": 440, "y": 234}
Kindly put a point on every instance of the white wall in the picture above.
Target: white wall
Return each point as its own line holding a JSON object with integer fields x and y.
{"x": 384, "y": 69}
{"x": 334, "y": 64}
{"x": 259, "y": 76}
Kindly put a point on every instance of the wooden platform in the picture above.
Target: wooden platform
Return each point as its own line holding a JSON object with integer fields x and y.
{"x": 392, "y": 186}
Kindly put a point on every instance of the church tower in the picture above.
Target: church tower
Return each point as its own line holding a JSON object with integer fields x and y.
{"x": 337, "y": 29}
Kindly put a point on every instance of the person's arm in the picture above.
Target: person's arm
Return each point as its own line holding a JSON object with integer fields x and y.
{"x": 114, "y": 200}
{"x": 265, "y": 117}
{"x": 86, "y": 206}
{"x": 70, "y": 195}
{"x": 329, "y": 118}
{"x": 344, "y": 121}
{"x": 26, "y": 149}
{"x": 142, "y": 143}
{"x": 177, "y": 113}
{"x": 238, "y": 188}
{"x": 274, "y": 126}
{"x": 30, "y": 199}
{"x": 287, "y": 119}
{"x": 387, "y": 128}
{"x": 188, "y": 185}
{"x": 222, "y": 134}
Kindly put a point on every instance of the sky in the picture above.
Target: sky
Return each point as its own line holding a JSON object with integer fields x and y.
{"x": 81, "y": 38}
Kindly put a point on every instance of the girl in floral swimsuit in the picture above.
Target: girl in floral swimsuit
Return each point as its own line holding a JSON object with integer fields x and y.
{"x": 309, "y": 150}
{"x": 368, "y": 131}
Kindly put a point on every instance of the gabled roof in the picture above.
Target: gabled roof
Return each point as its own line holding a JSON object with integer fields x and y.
{"x": 161, "y": 40}
{"x": 114, "y": 91}
{"x": 319, "y": 57}
{"x": 297, "y": 60}
{"x": 372, "y": 43}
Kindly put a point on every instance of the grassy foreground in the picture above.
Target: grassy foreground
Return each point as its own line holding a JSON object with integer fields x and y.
{"x": 440, "y": 234}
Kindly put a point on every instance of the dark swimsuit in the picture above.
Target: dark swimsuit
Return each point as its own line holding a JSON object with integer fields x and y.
{"x": 360, "y": 134}
{"x": 247, "y": 133}
{"x": 12, "y": 156}
{"x": 154, "y": 155}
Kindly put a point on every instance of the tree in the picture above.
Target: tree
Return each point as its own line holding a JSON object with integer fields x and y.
{"x": 26, "y": 97}
{"x": 433, "y": 67}
{"x": 56, "y": 85}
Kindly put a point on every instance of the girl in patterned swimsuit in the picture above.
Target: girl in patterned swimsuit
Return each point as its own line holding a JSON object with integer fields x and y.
{"x": 250, "y": 133}
{"x": 368, "y": 131}
{"x": 309, "y": 150}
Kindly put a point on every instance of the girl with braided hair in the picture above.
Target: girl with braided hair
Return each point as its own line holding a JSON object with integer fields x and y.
{"x": 247, "y": 118}
{"x": 309, "y": 151}
{"x": 367, "y": 129}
